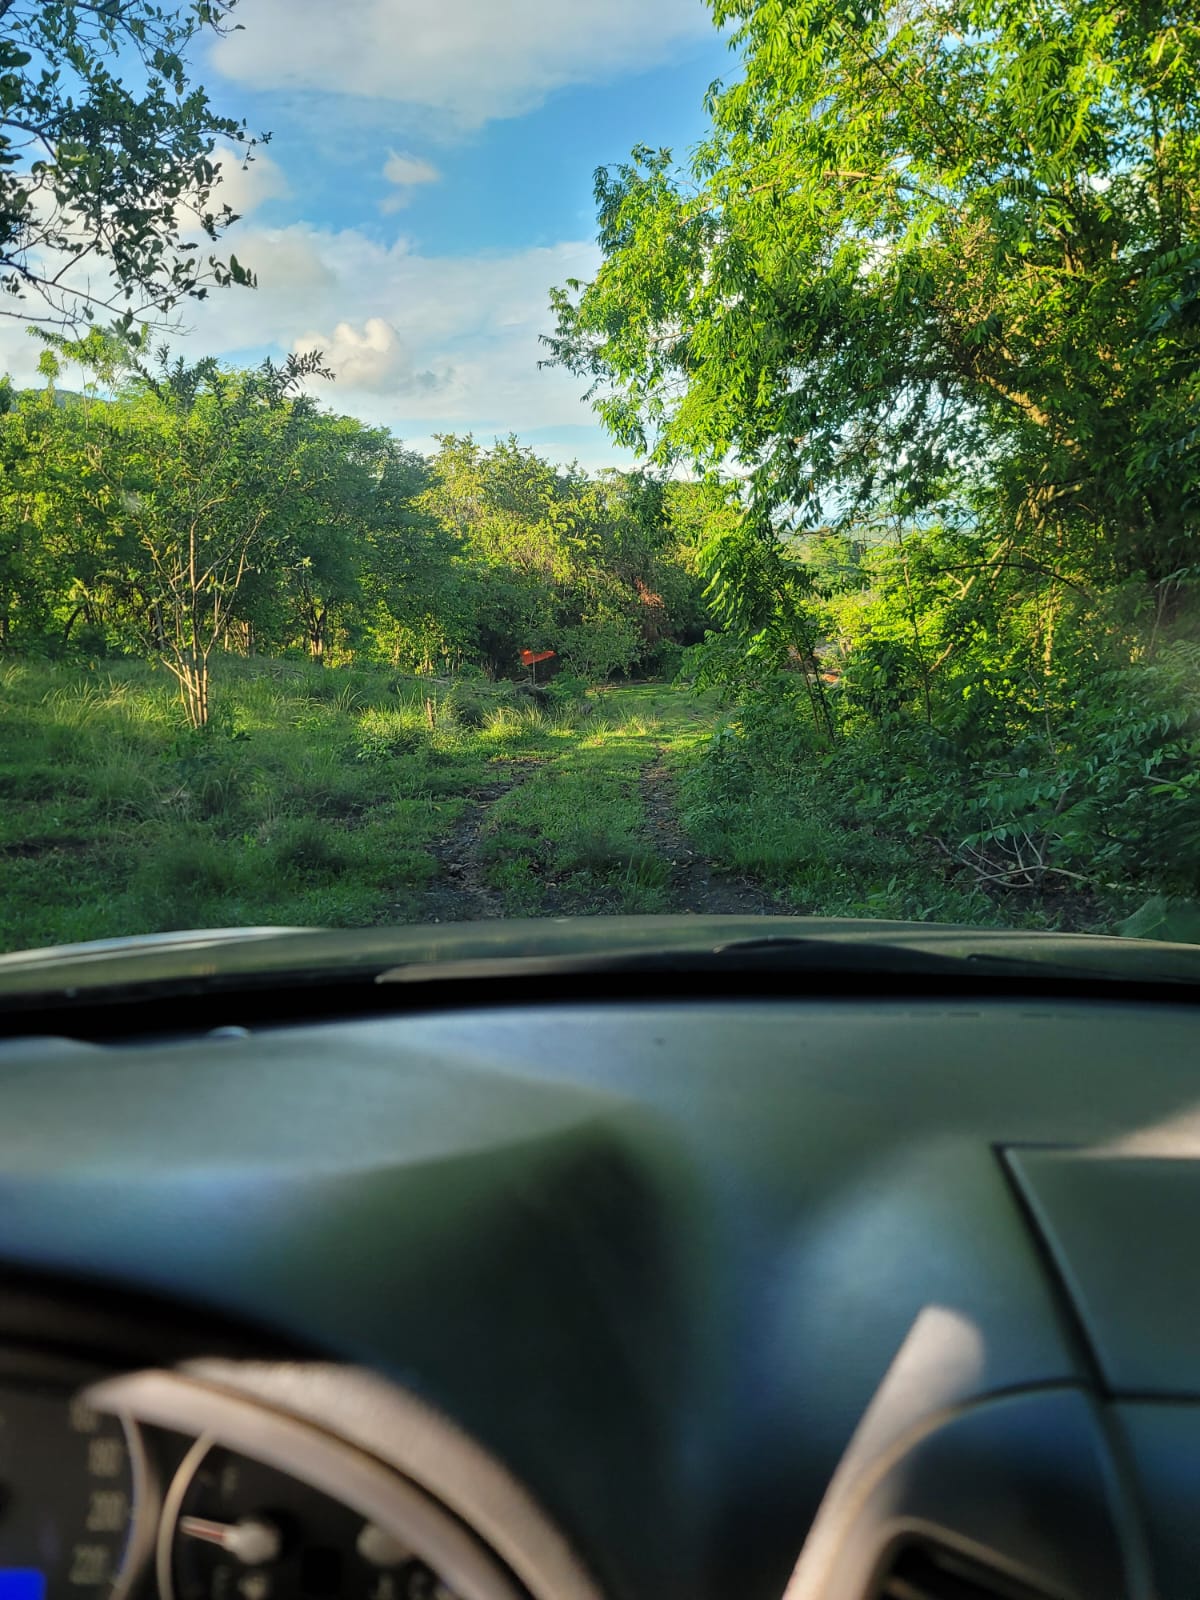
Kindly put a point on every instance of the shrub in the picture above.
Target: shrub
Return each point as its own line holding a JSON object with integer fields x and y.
{"x": 308, "y": 846}
{"x": 566, "y": 689}
{"x": 382, "y": 735}
{"x": 182, "y": 873}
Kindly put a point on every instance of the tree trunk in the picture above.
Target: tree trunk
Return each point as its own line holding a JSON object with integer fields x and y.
{"x": 316, "y": 636}
{"x": 79, "y": 611}
{"x": 192, "y": 673}
{"x": 238, "y": 638}
{"x": 818, "y": 699}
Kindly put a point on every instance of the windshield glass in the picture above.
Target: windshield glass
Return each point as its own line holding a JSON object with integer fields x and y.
{"x": 477, "y": 461}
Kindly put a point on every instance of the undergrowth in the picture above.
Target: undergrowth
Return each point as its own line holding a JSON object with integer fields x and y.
{"x": 1096, "y": 830}
{"x": 312, "y": 798}
{"x": 325, "y": 797}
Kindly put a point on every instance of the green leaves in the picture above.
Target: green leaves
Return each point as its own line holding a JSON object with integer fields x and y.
{"x": 105, "y": 157}
{"x": 951, "y": 243}
{"x": 603, "y": 571}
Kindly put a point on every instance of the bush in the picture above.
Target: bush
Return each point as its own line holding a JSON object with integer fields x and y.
{"x": 383, "y": 735}
{"x": 600, "y": 646}
{"x": 668, "y": 661}
{"x": 471, "y": 704}
{"x": 308, "y": 846}
{"x": 566, "y": 690}
{"x": 1073, "y": 812}
{"x": 184, "y": 873}
{"x": 1109, "y": 799}
{"x": 823, "y": 827}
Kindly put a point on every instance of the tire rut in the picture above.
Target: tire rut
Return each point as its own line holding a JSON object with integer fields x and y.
{"x": 460, "y": 891}
{"x": 696, "y": 884}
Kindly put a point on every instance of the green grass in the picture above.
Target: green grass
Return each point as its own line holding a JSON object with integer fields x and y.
{"x": 315, "y": 797}
{"x": 335, "y": 797}
{"x": 815, "y": 830}
{"x": 821, "y": 858}
{"x": 312, "y": 799}
{"x": 572, "y": 834}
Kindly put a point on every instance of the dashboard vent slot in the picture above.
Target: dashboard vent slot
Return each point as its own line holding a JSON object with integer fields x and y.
{"x": 932, "y": 1572}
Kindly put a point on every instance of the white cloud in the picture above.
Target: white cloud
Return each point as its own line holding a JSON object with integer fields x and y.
{"x": 371, "y": 362}
{"x": 246, "y": 185}
{"x": 467, "y": 60}
{"x": 405, "y": 172}
{"x": 417, "y": 341}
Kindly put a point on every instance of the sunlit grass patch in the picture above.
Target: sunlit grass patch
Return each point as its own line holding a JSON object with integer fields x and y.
{"x": 114, "y": 818}
{"x": 383, "y": 733}
{"x": 318, "y": 796}
{"x": 573, "y": 832}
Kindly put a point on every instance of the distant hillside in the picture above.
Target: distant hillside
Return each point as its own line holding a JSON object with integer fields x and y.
{"x": 10, "y": 398}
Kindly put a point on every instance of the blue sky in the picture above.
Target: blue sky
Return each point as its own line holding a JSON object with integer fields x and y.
{"x": 428, "y": 179}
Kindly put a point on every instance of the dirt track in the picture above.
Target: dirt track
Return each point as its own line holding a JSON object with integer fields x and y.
{"x": 634, "y": 737}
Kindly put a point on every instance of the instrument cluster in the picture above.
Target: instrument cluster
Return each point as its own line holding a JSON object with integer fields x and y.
{"x": 102, "y": 1498}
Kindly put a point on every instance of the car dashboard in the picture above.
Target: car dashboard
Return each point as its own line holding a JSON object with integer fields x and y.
{"x": 834, "y": 1296}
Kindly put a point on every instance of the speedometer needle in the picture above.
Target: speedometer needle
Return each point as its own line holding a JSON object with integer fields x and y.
{"x": 250, "y": 1540}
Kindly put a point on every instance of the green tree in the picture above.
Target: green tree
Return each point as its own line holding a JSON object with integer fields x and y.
{"x": 593, "y": 568}
{"x": 107, "y": 174}
{"x": 416, "y": 581}
{"x": 66, "y": 557}
{"x": 170, "y": 510}
{"x": 191, "y": 473}
{"x": 28, "y": 578}
{"x": 212, "y": 460}
{"x": 354, "y": 542}
{"x": 955, "y": 238}
{"x": 315, "y": 561}
{"x": 513, "y": 516}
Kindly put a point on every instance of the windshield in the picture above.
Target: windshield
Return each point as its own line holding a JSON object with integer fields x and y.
{"x": 462, "y": 462}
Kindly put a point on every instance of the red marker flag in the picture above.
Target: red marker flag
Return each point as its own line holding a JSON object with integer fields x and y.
{"x": 529, "y": 657}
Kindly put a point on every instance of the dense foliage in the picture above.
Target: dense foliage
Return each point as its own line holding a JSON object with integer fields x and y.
{"x": 191, "y": 509}
{"x": 107, "y": 172}
{"x": 932, "y": 284}
{"x": 943, "y": 240}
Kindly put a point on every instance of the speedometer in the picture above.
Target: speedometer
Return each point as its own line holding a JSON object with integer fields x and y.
{"x": 234, "y": 1527}
{"x": 69, "y": 1480}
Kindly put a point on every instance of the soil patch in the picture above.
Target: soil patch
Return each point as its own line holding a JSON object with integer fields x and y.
{"x": 695, "y": 884}
{"x": 460, "y": 892}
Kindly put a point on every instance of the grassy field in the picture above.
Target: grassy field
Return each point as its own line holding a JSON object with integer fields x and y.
{"x": 337, "y": 797}
{"x": 345, "y": 797}
{"x": 575, "y": 823}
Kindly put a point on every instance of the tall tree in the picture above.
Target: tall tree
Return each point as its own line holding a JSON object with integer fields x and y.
{"x": 923, "y": 237}
{"x": 107, "y": 174}
{"x": 210, "y": 460}
{"x": 347, "y": 528}
{"x": 194, "y": 468}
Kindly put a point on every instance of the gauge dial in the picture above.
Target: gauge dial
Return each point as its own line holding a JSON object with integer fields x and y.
{"x": 234, "y": 1529}
{"x": 68, "y": 1487}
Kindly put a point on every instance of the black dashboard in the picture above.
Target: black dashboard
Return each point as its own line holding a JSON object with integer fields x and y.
{"x": 647, "y": 1299}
